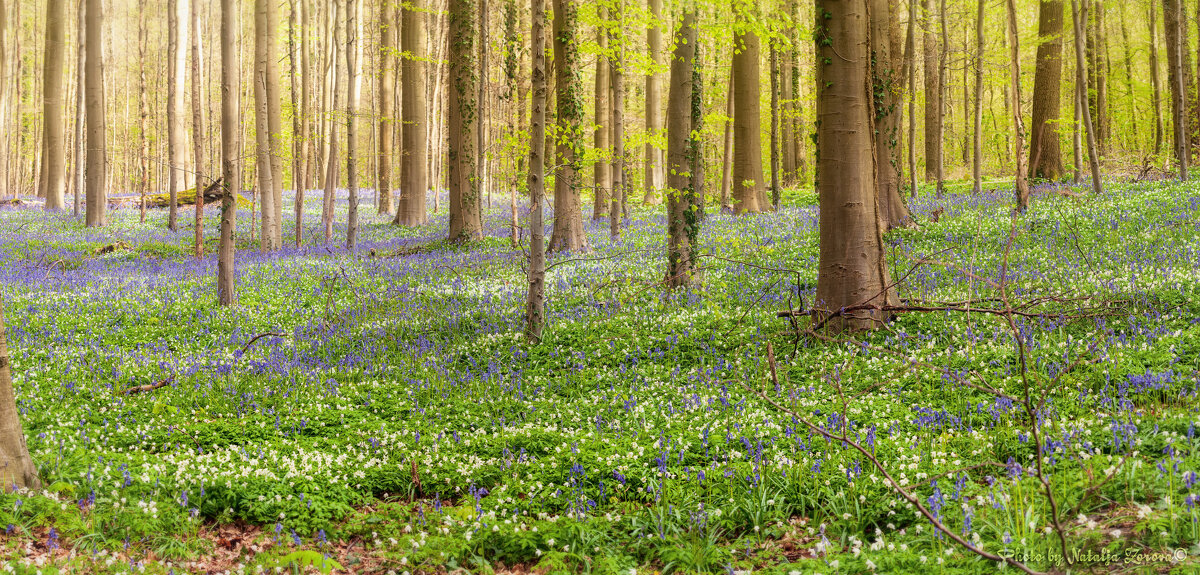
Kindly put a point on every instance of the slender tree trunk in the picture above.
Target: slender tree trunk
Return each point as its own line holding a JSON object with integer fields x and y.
{"x": 1044, "y": 148}
{"x": 1172, "y": 12}
{"x": 308, "y": 141}
{"x": 352, "y": 87}
{"x": 619, "y": 186}
{"x": 514, "y": 95}
{"x": 977, "y": 134}
{"x": 943, "y": 108}
{"x": 933, "y": 98}
{"x": 852, "y": 267}
{"x": 414, "y": 175}
{"x": 887, "y": 74}
{"x": 274, "y": 124}
{"x": 727, "y": 155}
{"x": 97, "y": 197}
{"x": 465, "y": 223}
{"x": 230, "y": 91}
{"x": 748, "y": 188}
{"x": 143, "y": 114}
{"x": 787, "y": 104}
{"x": 331, "y": 154}
{"x": 16, "y": 467}
{"x": 482, "y": 185}
{"x": 1131, "y": 96}
{"x": 535, "y": 311}
{"x": 776, "y": 192}
{"x": 80, "y": 99}
{"x": 299, "y": 111}
{"x": 387, "y": 66}
{"x": 1080, "y": 82}
{"x": 176, "y": 132}
{"x": 911, "y": 50}
{"x": 54, "y": 163}
{"x": 601, "y": 171}
{"x": 683, "y": 225}
{"x": 1022, "y": 185}
{"x": 1154, "y": 79}
{"x": 1077, "y": 134}
{"x": 654, "y": 173}
{"x": 198, "y": 129}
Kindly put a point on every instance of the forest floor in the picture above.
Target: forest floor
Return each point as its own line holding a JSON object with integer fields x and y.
{"x": 379, "y": 411}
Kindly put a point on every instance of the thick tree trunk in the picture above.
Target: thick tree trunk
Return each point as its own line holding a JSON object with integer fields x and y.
{"x": 654, "y": 173}
{"x": 886, "y": 76}
{"x": 465, "y": 223}
{"x": 80, "y": 103}
{"x": 568, "y": 235}
{"x": 198, "y": 130}
{"x": 262, "y": 127}
{"x": 230, "y": 91}
{"x": 601, "y": 170}
{"x": 387, "y": 66}
{"x": 177, "y": 13}
{"x": 481, "y": 105}
{"x": 331, "y": 154}
{"x": 535, "y": 309}
{"x": 852, "y": 267}
{"x": 749, "y": 193}
{"x": 352, "y": 88}
{"x": 1172, "y": 12}
{"x": 97, "y": 161}
{"x": 414, "y": 174}
{"x": 1044, "y": 148}
{"x": 16, "y": 467}
{"x": 54, "y": 164}
{"x": 275, "y": 124}
{"x": 683, "y": 225}
{"x": 1021, "y": 183}
{"x": 910, "y": 48}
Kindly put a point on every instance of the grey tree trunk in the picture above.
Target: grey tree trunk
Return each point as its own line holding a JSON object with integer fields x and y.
{"x": 262, "y": 127}
{"x": 80, "y": 99}
{"x": 414, "y": 175}
{"x": 465, "y": 222}
{"x": 1154, "y": 79}
{"x": 97, "y": 161}
{"x": 1044, "y": 148}
{"x": 977, "y": 132}
{"x": 654, "y": 169}
{"x": 1081, "y": 81}
{"x": 16, "y": 467}
{"x": 727, "y": 154}
{"x": 619, "y": 186}
{"x": 1172, "y": 16}
{"x": 198, "y": 130}
{"x": 776, "y": 192}
{"x": 352, "y": 88}
{"x": 601, "y": 171}
{"x": 387, "y": 126}
{"x": 933, "y": 97}
{"x": 748, "y": 190}
{"x": 568, "y": 234}
{"x": 54, "y": 164}
{"x": 143, "y": 115}
{"x": 1022, "y": 184}
{"x": 230, "y": 91}
{"x": 535, "y": 307}
{"x": 683, "y": 224}
{"x": 177, "y": 14}
{"x": 329, "y": 183}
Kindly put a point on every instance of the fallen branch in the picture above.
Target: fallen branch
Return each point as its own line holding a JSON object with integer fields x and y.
{"x": 151, "y": 386}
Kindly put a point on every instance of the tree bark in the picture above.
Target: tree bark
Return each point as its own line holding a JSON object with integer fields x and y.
{"x": 387, "y": 66}
{"x": 1021, "y": 183}
{"x": 262, "y": 127}
{"x": 727, "y": 154}
{"x": 16, "y": 467}
{"x": 568, "y": 234}
{"x": 776, "y": 192}
{"x": 80, "y": 102}
{"x": 977, "y": 133}
{"x": 602, "y": 112}
{"x": 535, "y": 311}
{"x": 748, "y": 190}
{"x": 198, "y": 130}
{"x": 683, "y": 224}
{"x": 1081, "y": 81}
{"x": 230, "y": 92}
{"x": 933, "y": 98}
{"x": 617, "y": 84}
{"x": 910, "y": 48}
{"x": 1172, "y": 13}
{"x": 1154, "y": 79}
{"x": 852, "y": 267}
{"x": 143, "y": 116}
{"x": 887, "y": 97}
{"x": 654, "y": 172}
{"x": 54, "y": 164}
{"x": 352, "y": 88}
{"x": 465, "y": 223}
{"x": 97, "y": 162}
{"x": 331, "y": 154}
{"x": 414, "y": 174}
{"x": 1044, "y": 148}
{"x": 176, "y": 86}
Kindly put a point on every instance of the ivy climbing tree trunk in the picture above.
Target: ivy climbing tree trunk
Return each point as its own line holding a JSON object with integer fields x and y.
{"x": 16, "y": 467}
{"x": 568, "y": 234}
{"x": 683, "y": 223}
{"x": 535, "y": 308}
{"x": 852, "y": 268}
{"x": 414, "y": 173}
{"x": 775, "y": 141}
{"x": 1044, "y": 148}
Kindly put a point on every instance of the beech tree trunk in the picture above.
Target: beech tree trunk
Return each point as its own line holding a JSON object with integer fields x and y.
{"x": 683, "y": 224}
{"x": 230, "y": 91}
{"x": 299, "y": 96}
{"x": 617, "y": 84}
{"x": 535, "y": 310}
{"x": 143, "y": 116}
{"x": 1044, "y": 149}
{"x": 910, "y": 48}
{"x": 352, "y": 96}
{"x": 80, "y": 103}
{"x": 749, "y": 193}
{"x": 774, "y": 71}
{"x": 97, "y": 162}
{"x": 331, "y": 154}
{"x": 977, "y": 132}
{"x": 262, "y": 127}
{"x": 54, "y": 164}
{"x": 198, "y": 130}
{"x": 16, "y": 467}
{"x": 1080, "y": 82}
{"x": 727, "y": 154}
{"x": 887, "y": 96}
{"x": 568, "y": 234}
{"x": 414, "y": 174}
{"x": 602, "y": 112}
{"x": 465, "y": 223}
{"x": 933, "y": 98}
{"x": 852, "y": 267}
{"x": 387, "y": 66}
{"x": 177, "y": 14}
{"x": 1021, "y": 183}
{"x": 654, "y": 171}
{"x": 1172, "y": 13}
{"x": 1154, "y": 79}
